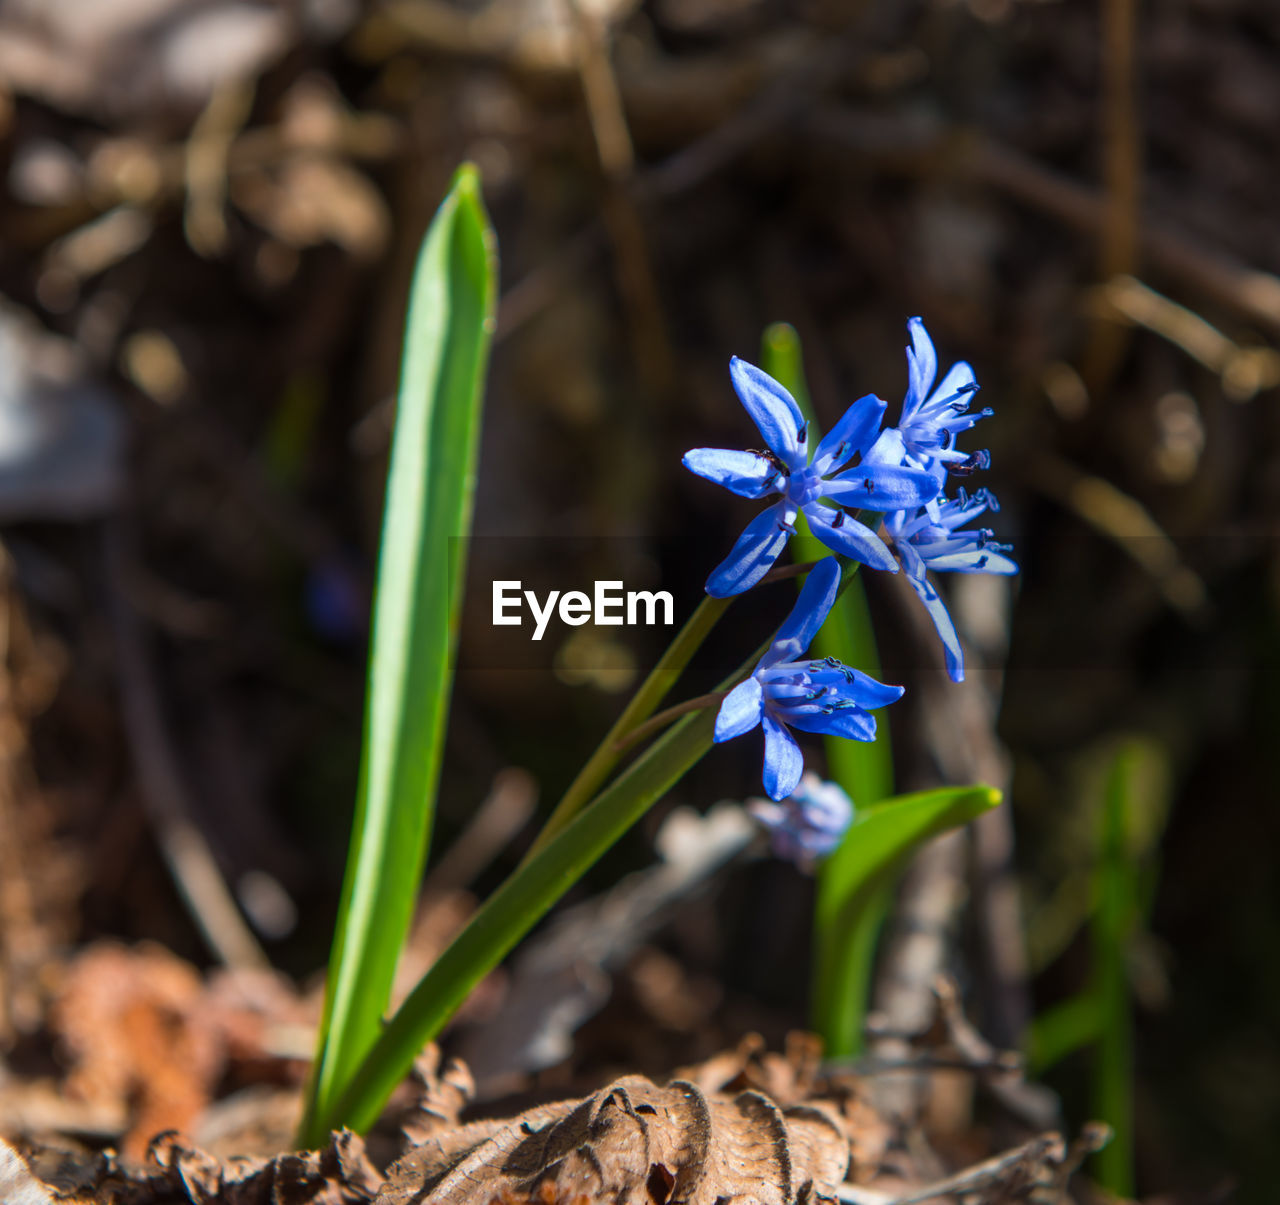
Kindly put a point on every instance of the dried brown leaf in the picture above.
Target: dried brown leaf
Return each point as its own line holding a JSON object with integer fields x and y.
{"x": 634, "y": 1141}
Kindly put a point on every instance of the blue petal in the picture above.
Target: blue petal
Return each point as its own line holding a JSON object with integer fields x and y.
{"x": 922, "y": 367}
{"x": 851, "y": 538}
{"x": 855, "y": 432}
{"x": 882, "y": 487}
{"x": 817, "y": 597}
{"x": 772, "y": 409}
{"x": 783, "y": 761}
{"x": 889, "y": 448}
{"x": 946, "y": 629}
{"x": 741, "y": 710}
{"x": 912, "y": 561}
{"x": 747, "y": 474}
{"x": 752, "y": 556}
{"x": 863, "y": 689}
{"x": 852, "y": 723}
{"x": 979, "y": 560}
{"x": 959, "y": 376}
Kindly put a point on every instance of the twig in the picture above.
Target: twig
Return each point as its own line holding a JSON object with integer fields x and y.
{"x": 208, "y": 151}
{"x": 635, "y": 276}
{"x": 1245, "y": 371}
{"x": 1023, "y": 1162}
{"x": 190, "y": 860}
{"x": 783, "y": 572}
{"x": 916, "y": 947}
{"x": 1129, "y": 524}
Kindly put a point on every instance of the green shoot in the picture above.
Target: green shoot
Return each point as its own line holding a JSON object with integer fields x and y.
{"x": 416, "y": 610}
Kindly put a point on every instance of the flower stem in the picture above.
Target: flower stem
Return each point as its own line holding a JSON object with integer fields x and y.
{"x": 643, "y": 704}
{"x": 658, "y": 722}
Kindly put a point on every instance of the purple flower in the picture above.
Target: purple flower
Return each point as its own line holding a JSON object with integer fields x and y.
{"x": 784, "y": 468}
{"x": 809, "y": 823}
{"x": 934, "y": 541}
{"x": 788, "y": 690}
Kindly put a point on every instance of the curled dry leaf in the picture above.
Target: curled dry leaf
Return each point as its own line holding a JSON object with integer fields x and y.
{"x": 340, "y": 1174}
{"x": 634, "y": 1141}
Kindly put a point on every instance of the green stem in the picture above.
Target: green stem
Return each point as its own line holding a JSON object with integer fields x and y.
{"x": 669, "y": 715}
{"x": 643, "y": 704}
{"x": 844, "y": 959}
{"x": 1114, "y": 925}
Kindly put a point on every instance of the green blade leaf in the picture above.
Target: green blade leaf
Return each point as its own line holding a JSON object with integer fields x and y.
{"x": 1116, "y": 922}
{"x": 878, "y": 843}
{"x": 416, "y": 609}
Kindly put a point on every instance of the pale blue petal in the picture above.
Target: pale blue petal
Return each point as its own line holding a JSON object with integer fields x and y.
{"x": 882, "y": 487}
{"x": 850, "y": 538}
{"x": 855, "y": 431}
{"x": 741, "y": 710}
{"x": 922, "y": 367}
{"x": 772, "y": 409}
{"x": 817, "y": 597}
{"x": 752, "y": 556}
{"x": 852, "y": 723}
{"x": 946, "y": 629}
{"x": 747, "y": 474}
{"x": 978, "y": 560}
{"x": 912, "y": 561}
{"x": 889, "y": 448}
{"x": 783, "y": 761}
{"x": 960, "y": 376}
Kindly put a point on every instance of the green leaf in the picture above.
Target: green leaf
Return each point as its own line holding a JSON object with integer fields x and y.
{"x": 843, "y": 954}
{"x": 880, "y": 840}
{"x": 416, "y": 610}
{"x": 1067, "y": 1027}
{"x": 1116, "y": 922}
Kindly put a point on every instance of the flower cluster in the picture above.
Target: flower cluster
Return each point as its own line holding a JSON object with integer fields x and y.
{"x": 809, "y": 823}
{"x": 897, "y": 476}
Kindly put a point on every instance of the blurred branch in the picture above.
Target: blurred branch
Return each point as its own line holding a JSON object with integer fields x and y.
{"x": 898, "y": 146}
{"x": 1245, "y": 371}
{"x": 636, "y": 280}
{"x": 164, "y": 795}
{"x": 778, "y": 102}
{"x": 1122, "y": 181}
{"x": 208, "y": 150}
{"x": 1124, "y": 520}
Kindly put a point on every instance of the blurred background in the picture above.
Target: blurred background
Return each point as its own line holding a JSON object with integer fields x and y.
{"x": 209, "y": 212}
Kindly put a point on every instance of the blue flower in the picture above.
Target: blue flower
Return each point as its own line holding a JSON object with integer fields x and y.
{"x": 925, "y": 437}
{"x": 788, "y": 690}
{"x": 809, "y": 823}
{"x": 784, "y": 468}
{"x": 934, "y": 541}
